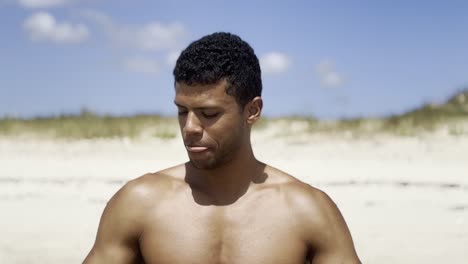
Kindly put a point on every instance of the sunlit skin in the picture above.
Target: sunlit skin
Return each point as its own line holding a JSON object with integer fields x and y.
{"x": 223, "y": 206}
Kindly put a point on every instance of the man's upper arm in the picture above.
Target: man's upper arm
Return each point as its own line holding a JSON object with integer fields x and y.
{"x": 329, "y": 238}
{"x": 119, "y": 229}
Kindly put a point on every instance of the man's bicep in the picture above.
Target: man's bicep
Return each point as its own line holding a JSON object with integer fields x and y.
{"x": 331, "y": 240}
{"x": 112, "y": 247}
{"x": 118, "y": 232}
{"x": 113, "y": 253}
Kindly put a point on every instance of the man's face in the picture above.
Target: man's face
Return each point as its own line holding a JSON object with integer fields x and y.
{"x": 211, "y": 122}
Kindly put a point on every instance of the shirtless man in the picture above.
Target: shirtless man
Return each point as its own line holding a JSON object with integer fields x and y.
{"x": 223, "y": 206}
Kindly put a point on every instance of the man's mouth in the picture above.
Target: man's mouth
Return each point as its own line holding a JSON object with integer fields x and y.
{"x": 196, "y": 148}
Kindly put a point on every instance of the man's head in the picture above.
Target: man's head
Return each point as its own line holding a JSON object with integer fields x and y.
{"x": 221, "y": 56}
{"x": 218, "y": 87}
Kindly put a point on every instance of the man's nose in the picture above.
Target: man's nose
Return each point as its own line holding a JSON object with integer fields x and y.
{"x": 192, "y": 125}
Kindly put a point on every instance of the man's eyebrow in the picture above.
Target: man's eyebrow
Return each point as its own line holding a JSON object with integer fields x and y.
{"x": 198, "y": 108}
{"x": 178, "y": 104}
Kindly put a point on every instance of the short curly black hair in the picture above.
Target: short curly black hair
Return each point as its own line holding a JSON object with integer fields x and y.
{"x": 221, "y": 56}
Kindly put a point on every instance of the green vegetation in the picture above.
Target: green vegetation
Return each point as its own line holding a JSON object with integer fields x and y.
{"x": 90, "y": 125}
{"x": 453, "y": 114}
{"x": 431, "y": 116}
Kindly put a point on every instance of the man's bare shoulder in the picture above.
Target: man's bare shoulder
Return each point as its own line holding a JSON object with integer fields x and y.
{"x": 126, "y": 214}
{"x": 163, "y": 180}
{"x": 319, "y": 219}
{"x": 290, "y": 183}
{"x": 157, "y": 183}
{"x": 151, "y": 187}
{"x": 309, "y": 203}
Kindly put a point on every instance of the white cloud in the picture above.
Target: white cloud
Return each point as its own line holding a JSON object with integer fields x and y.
{"x": 153, "y": 36}
{"x": 274, "y": 62}
{"x": 157, "y": 36}
{"x": 329, "y": 77}
{"x": 162, "y": 39}
{"x": 42, "y": 3}
{"x": 42, "y": 26}
{"x": 142, "y": 65}
{"x": 100, "y": 18}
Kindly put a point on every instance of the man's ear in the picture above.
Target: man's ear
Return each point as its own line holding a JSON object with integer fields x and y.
{"x": 253, "y": 110}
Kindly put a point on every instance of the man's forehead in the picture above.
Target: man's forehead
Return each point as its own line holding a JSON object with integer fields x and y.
{"x": 182, "y": 87}
{"x": 207, "y": 94}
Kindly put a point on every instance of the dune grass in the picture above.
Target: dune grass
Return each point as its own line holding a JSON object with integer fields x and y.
{"x": 452, "y": 115}
{"x": 88, "y": 125}
{"x": 94, "y": 126}
{"x": 430, "y": 116}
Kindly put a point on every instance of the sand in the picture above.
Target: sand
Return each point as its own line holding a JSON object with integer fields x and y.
{"x": 405, "y": 199}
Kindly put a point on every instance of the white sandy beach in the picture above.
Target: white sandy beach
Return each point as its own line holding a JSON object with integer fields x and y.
{"x": 405, "y": 199}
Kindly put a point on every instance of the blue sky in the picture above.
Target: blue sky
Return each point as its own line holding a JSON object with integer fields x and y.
{"x": 329, "y": 59}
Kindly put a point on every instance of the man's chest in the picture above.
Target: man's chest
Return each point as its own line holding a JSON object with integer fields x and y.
{"x": 183, "y": 233}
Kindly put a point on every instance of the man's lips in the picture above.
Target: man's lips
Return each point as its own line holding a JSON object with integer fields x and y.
{"x": 196, "y": 148}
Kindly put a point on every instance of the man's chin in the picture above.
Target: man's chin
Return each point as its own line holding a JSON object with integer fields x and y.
{"x": 203, "y": 165}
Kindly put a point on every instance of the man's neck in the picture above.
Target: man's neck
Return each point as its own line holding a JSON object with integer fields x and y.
{"x": 225, "y": 184}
